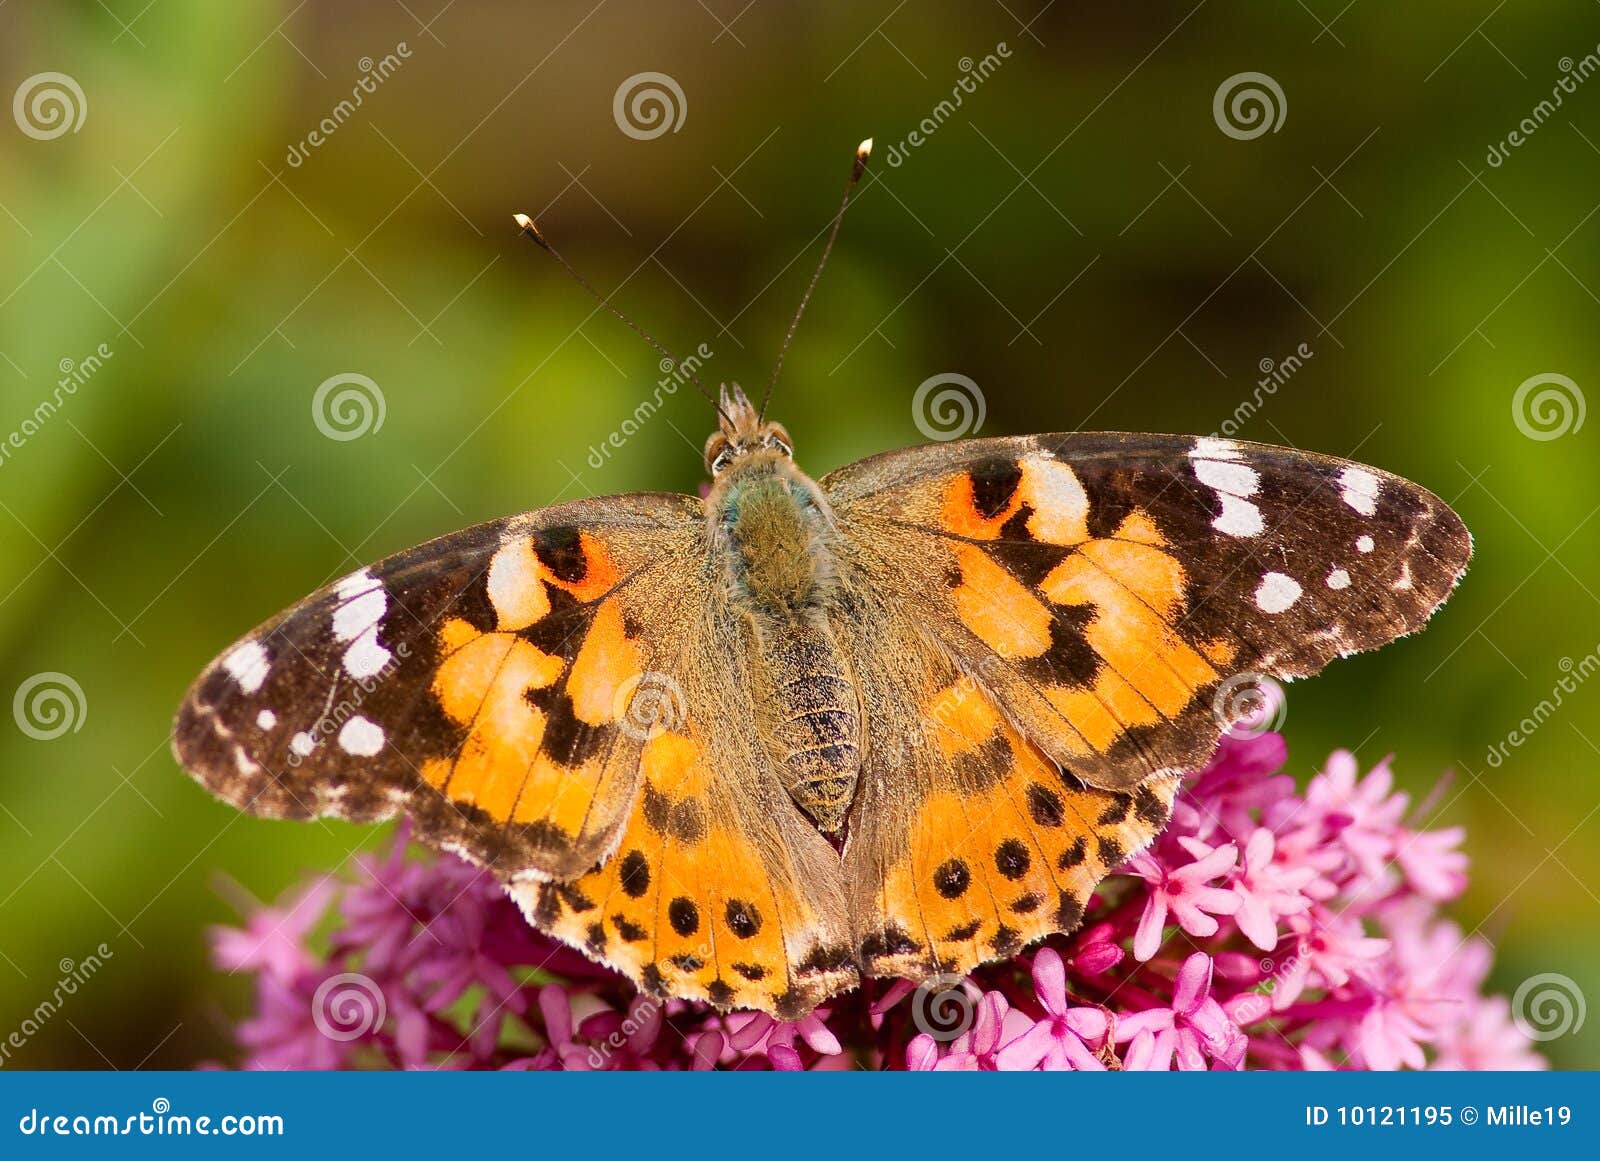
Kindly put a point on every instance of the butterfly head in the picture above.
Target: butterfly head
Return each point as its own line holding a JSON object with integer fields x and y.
{"x": 742, "y": 432}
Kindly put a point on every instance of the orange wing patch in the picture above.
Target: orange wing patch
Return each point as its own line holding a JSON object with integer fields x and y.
{"x": 689, "y": 906}
{"x": 535, "y": 702}
{"x": 1115, "y": 598}
{"x": 1137, "y": 591}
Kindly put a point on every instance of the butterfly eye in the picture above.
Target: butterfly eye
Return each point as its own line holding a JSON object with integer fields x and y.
{"x": 723, "y": 459}
{"x": 783, "y": 445}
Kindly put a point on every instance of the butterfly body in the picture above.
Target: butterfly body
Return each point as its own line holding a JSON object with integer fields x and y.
{"x": 895, "y": 721}
{"x": 775, "y": 540}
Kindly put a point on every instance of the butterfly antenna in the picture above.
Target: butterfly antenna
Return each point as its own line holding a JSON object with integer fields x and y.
{"x": 531, "y": 230}
{"x": 857, "y": 168}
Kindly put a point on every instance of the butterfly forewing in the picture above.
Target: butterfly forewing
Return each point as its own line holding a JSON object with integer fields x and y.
{"x": 1106, "y": 586}
{"x": 473, "y": 683}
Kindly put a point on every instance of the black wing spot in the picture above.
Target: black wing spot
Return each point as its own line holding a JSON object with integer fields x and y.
{"x": 630, "y": 932}
{"x": 965, "y": 931}
{"x": 1069, "y": 912}
{"x": 1116, "y": 812}
{"x": 634, "y": 874}
{"x": 561, "y": 551}
{"x": 743, "y": 918}
{"x": 1011, "y": 859}
{"x": 1149, "y": 807}
{"x": 1006, "y": 941}
{"x": 994, "y": 482}
{"x": 684, "y": 916}
{"x": 1044, "y": 806}
{"x": 952, "y": 879}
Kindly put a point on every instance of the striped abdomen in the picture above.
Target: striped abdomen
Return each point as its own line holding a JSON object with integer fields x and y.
{"x": 813, "y": 720}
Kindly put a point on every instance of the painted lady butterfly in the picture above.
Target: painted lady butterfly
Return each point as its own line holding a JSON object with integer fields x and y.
{"x": 897, "y": 721}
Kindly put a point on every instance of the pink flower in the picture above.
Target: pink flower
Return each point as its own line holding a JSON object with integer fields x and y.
{"x": 1191, "y": 1030}
{"x": 273, "y": 938}
{"x": 975, "y": 1050}
{"x": 1318, "y": 942}
{"x": 1185, "y": 891}
{"x": 1359, "y": 811}
{"x": 1268, "y": 890}
{"x": 1067, "y": 1038}
{"x": 1430, "y": 862}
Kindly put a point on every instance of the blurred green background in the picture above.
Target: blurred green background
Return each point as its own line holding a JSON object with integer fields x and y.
{"x": 1080, "y": 236}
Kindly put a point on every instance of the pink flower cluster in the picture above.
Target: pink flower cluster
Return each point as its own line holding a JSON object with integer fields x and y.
{"x": 1265, "y": 928}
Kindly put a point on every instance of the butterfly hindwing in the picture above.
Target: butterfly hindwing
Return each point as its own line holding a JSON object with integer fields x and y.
{"x": 717, "y": 890}
{"x": 967, "y": 842}
{"x": 1105, "y": 586}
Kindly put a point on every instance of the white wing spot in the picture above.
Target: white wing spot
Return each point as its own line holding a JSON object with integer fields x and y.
{"x": 365, "y": 657}
{"x": 1403, "y": 581}
{"x": 352, "y": 586}
{"x": 1365, "y": 544}
{"x": 1232, "y": 481}
{"x": 359, "y": 614}
{"x": 1277, "y": 592}
{"x": 302, "y": 744}
{"x": 1238, "y": 517}
{"x": 1359, "y": 488}
{"x": 1209, "y": 447}
{"x": 266, "y": 719}
{"x": 361, "y": 737}
{"x": 1338, "y": 579}
{"x": 248, "y": 665}
{"x": 1227, "y": 476}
